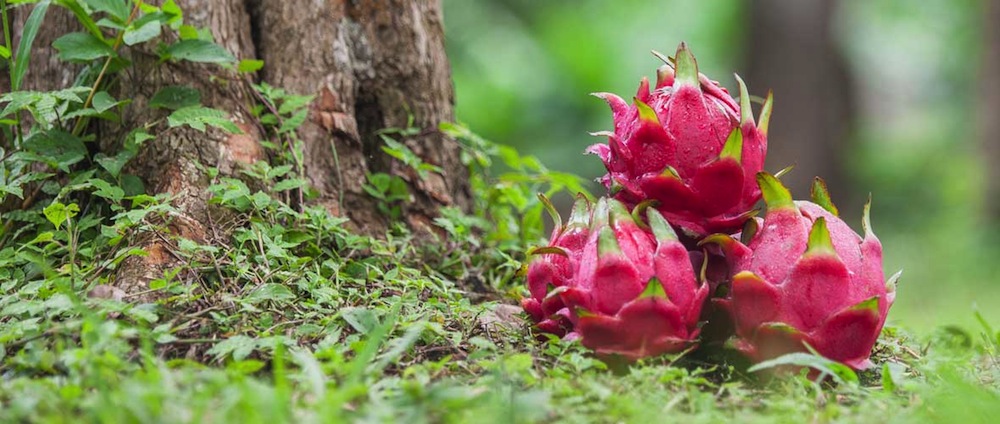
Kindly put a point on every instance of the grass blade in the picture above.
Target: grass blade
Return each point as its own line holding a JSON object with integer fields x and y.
{"x": 23, "y": 54}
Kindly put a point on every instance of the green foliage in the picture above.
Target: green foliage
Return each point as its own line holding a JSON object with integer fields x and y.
{"x": 198, "y": 117}
{"x": 508, "y": 192}
{"x": 18, "y": 61}
{"x": 57, "y": 139}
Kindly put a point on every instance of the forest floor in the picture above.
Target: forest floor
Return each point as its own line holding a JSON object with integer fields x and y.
{"x": 293, "y": 318}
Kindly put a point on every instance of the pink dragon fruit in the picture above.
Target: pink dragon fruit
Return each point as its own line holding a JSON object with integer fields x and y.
{"x": 806, "y": 278}
{"x": 625, "y": 290}
{"x": 553, "y": 267}
{"x": 688, "y": 146}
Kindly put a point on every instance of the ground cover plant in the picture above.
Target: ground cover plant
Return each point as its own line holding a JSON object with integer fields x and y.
{"x": 287, "y": 314}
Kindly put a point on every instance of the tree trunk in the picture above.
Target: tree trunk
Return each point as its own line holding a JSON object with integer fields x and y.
{"x": 792, "y": 51}
{"x": 370, "y": 64}
{"x": 990, "y": 110}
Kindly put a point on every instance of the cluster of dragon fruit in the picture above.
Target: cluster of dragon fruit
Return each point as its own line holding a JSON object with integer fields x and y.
{"x": 677, "y": 254}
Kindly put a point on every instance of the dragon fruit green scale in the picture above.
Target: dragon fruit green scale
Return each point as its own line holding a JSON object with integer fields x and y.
{"x": 626, "y": 291}
{"x": 689, "y": 146}
{"x": 806, "y": 278}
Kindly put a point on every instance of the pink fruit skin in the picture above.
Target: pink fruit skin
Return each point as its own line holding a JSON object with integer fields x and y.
{"x": 625, "y": 291}
{"x": 785, "y": 293}
{"x": 671, "y": 153}
{"x": 551, "y": 271}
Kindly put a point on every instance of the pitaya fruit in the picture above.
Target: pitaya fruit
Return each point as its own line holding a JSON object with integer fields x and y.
{"x": 806, "y": 277}
{"x": 554, "y": 266}
{"x": 625, "y": 291}
{"x": 688, "y": 146}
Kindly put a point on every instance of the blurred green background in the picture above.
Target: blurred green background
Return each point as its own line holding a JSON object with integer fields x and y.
{"x": 879, "y": 96}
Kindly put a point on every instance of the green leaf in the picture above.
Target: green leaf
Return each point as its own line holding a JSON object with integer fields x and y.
{"x": 188, "y": 32}
{"x": 146, "y": 32}
{"x": 59, "y": 148}
{"x": 114, "y": 164}
{"x": 840, "y": 372}
{"x": 246, "y": 367}
{"x": 892, "y": 375}
{"x": 83, "y": 17}
{"x": 43, "y": 238}
{"x": 28, "y": 34}
{"x": 133, "y": 185}
{"x": 116, "y": 8}
{"x": 272, "y": 292}
{"x": 198, "y": 117}
{"x": 361, "y": 319}
{"x": 294, "y": 122}
{"x": 175, "y": 97}
{"x": 249, "y": 65}
{"x": 81, "y": 47}
{"x": 238, "y": 346}
{"x": 199, "y": 51}
{"x": 399, "y": 346}
{"x": 4, "y": 52}
{"x": 170, "y": 8}
{"x": 291, "y": 104}
{"x": 103, "y": 101}
{"x": 289, "y": 184}
{"x": 58, "y": 213}
{"x": 106, "y": 190}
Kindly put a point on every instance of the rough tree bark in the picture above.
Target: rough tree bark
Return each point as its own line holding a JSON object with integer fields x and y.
{"x": 792, "y": 51}
{"x": 371, "y": 64}
{"x": 989, "y": 109}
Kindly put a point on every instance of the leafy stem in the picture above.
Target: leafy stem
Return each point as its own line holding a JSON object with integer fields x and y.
{"x": 10, "y": 62}
{"x": 81, "y": 121}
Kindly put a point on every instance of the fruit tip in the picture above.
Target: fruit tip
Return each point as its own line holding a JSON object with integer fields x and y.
{"x": 869, "y": 305}
{"x": 890, "y": 283}
{"x": 580, "y": 214}
{"x": 750, "y": 229}
{"x": 666, "y": 60}
{"x": 866, "y": 220}
{"x": 763, "y": 122}
{"x": 746, "y": 111}
{"x": 551, "y": 209}
{"x": 619, "y": 213}
{"x": 664, "y": 76}
{"x": 640, "y": 209}
{"x": 646, "y": 113}
{"x": 660, "y": 226}
{"x": 686, "y": 66}
{"x": 775, "y": 194}
{"x": 819, "y": 239}
{"x": 607, "y": 243}
{"x": 548, "y": 250}
{"x": 654, "y": 289}
{"x": 820, "y": 195}
{"x": 733, "y": 149}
